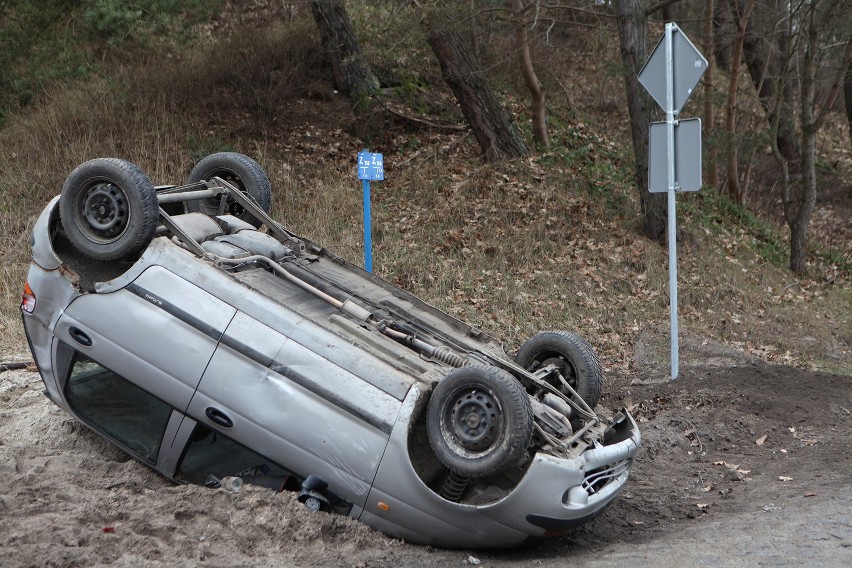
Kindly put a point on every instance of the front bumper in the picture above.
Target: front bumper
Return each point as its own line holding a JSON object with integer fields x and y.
{"x": 557, "y": 494}
{"x": 554, "y": 495}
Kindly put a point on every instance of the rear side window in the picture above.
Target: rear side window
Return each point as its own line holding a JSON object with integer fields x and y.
{"x": 117, "y": 407}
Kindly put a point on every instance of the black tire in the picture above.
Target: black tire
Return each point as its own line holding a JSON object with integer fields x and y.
{"x": 577, "y": 361}
{"x": 479, "y": 421}
{"x": 108, "y": 209}
{"x": 238, "y": 170}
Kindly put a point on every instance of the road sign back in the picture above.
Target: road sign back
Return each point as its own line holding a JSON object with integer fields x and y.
{"x": 688, "y": 66}
{"x": 687, "y": 137}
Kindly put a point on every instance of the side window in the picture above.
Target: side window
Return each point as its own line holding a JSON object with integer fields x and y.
{"x": 211, "y": 453}
{"x": 117, "y": 407}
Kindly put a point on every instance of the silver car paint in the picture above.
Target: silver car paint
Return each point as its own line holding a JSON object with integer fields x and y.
{"x": 272, "y": 414}
{"x": 303, "y": 384}
{"x": 542, "y": 490}
{"x": 136, "y": 341}
{"x": 290, "y": 423}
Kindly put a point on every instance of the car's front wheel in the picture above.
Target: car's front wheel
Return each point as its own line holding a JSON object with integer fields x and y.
{"x": 479, "y": 421}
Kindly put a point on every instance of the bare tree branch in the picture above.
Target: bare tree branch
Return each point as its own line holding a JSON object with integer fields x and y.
{"x": 422, "y": 121}
{"x": 660, "y": 6}
{"x": 836, "y": 85}
{"x": 14, "y": 366}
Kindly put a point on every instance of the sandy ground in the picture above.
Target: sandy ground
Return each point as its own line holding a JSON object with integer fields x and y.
{"x": 742, "y": 464}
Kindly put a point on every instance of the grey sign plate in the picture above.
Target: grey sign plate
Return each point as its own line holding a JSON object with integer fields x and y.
{"x": 688, "y": 66}
{"x": 687, "y": 137}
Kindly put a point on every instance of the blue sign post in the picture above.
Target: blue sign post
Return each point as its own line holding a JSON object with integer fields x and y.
{"x": 370, "y": 168}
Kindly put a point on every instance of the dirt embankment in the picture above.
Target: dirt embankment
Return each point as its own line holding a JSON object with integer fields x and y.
{"x": 740, "y": 465}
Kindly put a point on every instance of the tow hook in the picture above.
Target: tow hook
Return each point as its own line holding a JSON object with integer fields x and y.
{"x": 311, "y": 494}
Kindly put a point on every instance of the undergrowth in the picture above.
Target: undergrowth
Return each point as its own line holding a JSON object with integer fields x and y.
{"x": 544, "y": 242}
{"x": 53, "y": 42}
{"x": 712, "y": 209}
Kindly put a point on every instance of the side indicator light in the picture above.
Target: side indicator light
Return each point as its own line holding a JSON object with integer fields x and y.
{"x": 383, "y": 506}
{"x": 28, "y": 299}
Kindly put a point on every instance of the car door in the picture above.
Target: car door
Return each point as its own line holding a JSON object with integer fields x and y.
{"x": 159, "y": 332}
{"x": 130, "y": 360}
{"x": 270, "y": 393}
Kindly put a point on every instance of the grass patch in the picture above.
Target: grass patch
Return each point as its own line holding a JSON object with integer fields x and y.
{"x": 713, "y": 210}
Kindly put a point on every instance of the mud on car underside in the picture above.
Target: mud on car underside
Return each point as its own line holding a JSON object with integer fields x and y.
{"x": 363, "y": 398}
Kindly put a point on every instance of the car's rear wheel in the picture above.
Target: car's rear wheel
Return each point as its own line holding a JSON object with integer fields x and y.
{"x": 108, "y": 209}
{"x": 479, "y": 421}
{"x": 238, "y": 170}
{"x": 573, "y": 357}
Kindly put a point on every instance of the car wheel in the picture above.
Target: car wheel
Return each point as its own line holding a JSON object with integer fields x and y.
{"x": 238, "y": 170}
{"x": 479, "y": 421}
{"x": 108, "y": 209}
{"x": 574, "y": 358}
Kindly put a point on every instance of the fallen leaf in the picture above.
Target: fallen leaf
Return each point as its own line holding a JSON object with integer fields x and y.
{"x": 785, "y": 478}
{"x": 810, "y": 494}
{"x": 760, "y": 440}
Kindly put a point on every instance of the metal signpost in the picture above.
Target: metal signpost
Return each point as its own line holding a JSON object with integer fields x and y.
{"x": 670, "y": 74}
{"x": 370, "y": 168}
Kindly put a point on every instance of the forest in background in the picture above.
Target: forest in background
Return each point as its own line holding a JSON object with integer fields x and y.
{"x": 513, "y": 137}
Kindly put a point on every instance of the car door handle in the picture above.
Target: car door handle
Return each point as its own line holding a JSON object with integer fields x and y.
{"x": 80, "y": 336}
{"x": 219, "y": 417}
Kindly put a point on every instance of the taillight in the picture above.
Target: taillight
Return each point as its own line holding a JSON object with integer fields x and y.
{"x": 28, "y": 299}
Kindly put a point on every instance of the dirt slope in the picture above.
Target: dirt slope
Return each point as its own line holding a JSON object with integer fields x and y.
{"x": 741, "y": 464}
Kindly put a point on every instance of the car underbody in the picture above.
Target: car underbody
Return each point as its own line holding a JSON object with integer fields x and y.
{"x": 381, "y": 406}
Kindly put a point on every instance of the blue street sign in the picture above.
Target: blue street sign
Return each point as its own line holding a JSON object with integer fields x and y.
{"x": 370, "y": 166}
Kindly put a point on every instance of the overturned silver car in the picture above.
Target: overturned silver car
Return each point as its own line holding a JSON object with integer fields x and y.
{"x": 208, "y": 341}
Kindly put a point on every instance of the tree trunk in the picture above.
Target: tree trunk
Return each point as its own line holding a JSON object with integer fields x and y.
{"x": 633, "y": 37}
{"x": 764, "y": 58}
{"x": 799, "y": 209}
{"x": 352, "y": 75}
{"x": 847, "y": 94}
{"x": 709, "y": 116}
{"x": 721, "y": 35}
{"x": 669, "y": 12}
{"x": 539, "y": 118}
{"x": 490, "y": 123}
{"x": 798, "y": 220}
{"x": 735, "y": 190}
